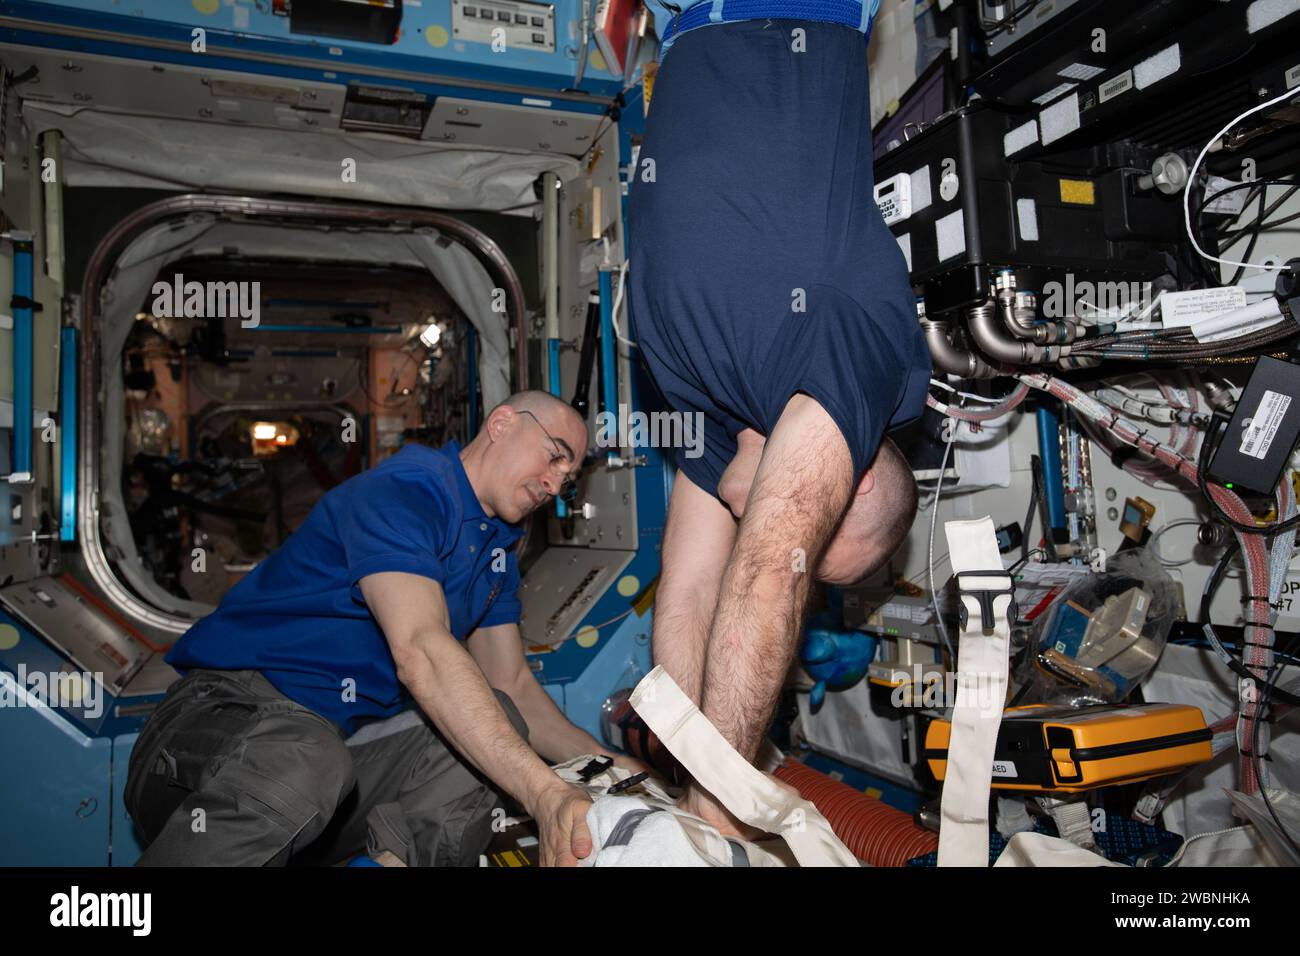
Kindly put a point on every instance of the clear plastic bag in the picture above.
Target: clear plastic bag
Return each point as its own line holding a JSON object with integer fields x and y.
{"x": 1103, "y": 633}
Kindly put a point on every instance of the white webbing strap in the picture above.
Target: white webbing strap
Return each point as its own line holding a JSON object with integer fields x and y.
{"x": 751, "y": 796}
{"x": 1073, "y": 820}
{"x": 981, "y": 671}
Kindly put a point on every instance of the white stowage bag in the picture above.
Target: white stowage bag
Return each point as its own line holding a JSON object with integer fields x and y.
{"x": 644, "y": 827}
{"x": 1239, "y": 846}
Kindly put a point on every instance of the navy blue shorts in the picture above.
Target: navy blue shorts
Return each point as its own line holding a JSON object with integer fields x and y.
{"x": 760, "y": 264}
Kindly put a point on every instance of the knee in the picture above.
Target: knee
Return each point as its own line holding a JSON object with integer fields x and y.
{"x": 512, "y": 713}
{"x": 733, "y": 491}
{"x": 736, "y": 480}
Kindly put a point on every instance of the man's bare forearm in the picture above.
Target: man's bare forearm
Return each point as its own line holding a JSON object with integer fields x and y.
{"x": 450, "y": 688}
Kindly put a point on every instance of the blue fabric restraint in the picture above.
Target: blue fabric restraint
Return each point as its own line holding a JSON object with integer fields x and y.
{"x": 859, "y": 14}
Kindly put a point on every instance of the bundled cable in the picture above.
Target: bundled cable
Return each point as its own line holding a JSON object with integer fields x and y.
{"x": 1012, "y": 401}
{"x": 1121, "y": 428}
{"x": 1147, "y": 344}
{"x": 1182, "y": 413}
{"x": 1196, "y": 166}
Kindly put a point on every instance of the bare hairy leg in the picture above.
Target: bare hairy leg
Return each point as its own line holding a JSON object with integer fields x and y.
{"x": 698, "y": 538}
{"x": 799, "y": 494}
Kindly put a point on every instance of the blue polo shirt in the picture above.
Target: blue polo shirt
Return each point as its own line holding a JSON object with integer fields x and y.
{"x": 299, "y": 617}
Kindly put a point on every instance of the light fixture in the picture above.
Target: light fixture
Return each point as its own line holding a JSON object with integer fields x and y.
{"x": 268, "y": 437}
{"x": 430, "y": 335}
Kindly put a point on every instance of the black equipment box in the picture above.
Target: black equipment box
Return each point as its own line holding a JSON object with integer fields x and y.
{"x": 1167, "y": 73}
{"x": 961, "y": 209}
{"x": 1262, "y": 434}
{"x": 1036, "y": 46}
{"x": 370, "y": 21}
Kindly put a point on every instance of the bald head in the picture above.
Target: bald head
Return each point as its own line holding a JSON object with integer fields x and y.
{"x": 877, "y": 521}
{"x": 529, "y": 445}
{"x": 550, "y": 411}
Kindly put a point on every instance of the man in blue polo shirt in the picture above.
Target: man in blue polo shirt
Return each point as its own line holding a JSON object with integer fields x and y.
{"x": 388, "y": 620}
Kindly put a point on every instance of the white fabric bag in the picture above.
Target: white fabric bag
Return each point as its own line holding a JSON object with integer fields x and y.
{"x": 644, "y": 827}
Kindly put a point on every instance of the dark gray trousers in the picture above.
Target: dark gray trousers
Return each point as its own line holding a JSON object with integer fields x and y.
{"x": 230, "y": 772}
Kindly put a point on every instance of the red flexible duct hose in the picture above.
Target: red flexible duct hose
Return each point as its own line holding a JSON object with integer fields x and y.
{"x": 874, "y": 832}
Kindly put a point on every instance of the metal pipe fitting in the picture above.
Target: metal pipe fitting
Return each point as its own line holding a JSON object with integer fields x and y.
{"x": 946, "y": 357}
{"x": 992, "y": 339}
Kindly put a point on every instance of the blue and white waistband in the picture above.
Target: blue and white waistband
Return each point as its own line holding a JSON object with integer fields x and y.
{"x": 859, "y": 14}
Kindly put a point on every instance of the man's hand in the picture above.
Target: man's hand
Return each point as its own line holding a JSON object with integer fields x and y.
{"x": 561, "y": 815}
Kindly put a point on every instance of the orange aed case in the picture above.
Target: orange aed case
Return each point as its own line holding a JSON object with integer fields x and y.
{"x": 1049, "y": 748}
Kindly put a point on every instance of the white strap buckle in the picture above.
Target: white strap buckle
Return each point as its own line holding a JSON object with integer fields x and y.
{"x": 984, "y": 588}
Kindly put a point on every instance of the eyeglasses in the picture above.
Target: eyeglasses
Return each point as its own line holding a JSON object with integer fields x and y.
{"x": 568, "y": 488}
